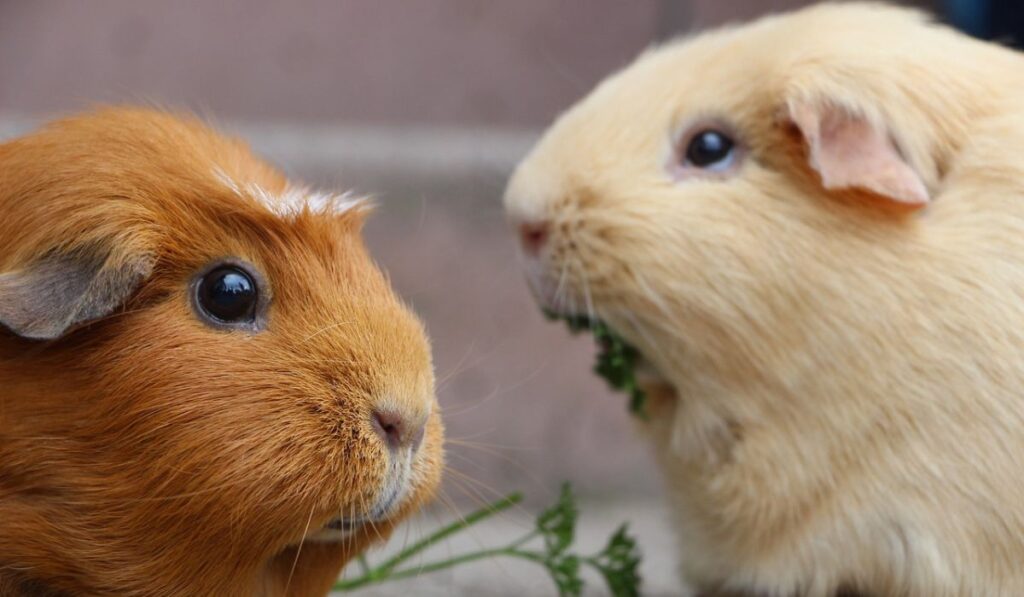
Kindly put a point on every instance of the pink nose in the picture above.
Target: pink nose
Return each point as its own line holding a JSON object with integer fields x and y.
{"x": 533, "y": 236}
{"x": 397, "y": 431}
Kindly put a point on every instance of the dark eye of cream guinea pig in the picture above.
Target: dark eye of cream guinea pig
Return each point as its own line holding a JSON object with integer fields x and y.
{"x": 811, "y": 228}
{"x": 206, "y": 386}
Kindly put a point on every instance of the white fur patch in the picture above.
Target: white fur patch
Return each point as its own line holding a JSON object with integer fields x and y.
{"x": 225, "y": 179}
{"x": 294, "y": 199}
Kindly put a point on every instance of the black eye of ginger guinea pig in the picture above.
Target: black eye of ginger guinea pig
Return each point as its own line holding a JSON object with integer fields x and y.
{"x": 812, "y": 229}
{"x": 206, "y": 386}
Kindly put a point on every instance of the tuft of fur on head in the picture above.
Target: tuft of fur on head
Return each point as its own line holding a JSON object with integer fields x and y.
{"x": 834, "y": 322}
{"x": 294, "y": 199}
{"x": 144, "y": 452}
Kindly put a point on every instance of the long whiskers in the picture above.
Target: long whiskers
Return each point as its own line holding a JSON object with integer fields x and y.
{"x": 463, "y": 441}
{"x": 325, "y": 329}
{"x": 561, "y": 288}
{"x": 516, "y": 464}
{"x": 449, "y": 412}
{"x": 298, "y": 551}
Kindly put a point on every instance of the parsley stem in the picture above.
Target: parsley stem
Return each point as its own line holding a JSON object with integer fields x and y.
{"x": 469, "y": 557}
{"x": 385, "y": 571}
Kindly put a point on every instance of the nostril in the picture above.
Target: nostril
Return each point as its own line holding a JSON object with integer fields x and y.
{"x": 533, "y": 236}
{"x": 396, "y": 431}
{"x": 388, "y": 426}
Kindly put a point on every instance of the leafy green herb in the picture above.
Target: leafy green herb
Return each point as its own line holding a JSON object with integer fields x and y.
{"x": 616, "y": 360}
{"x": 553, "y": 534}
{"x": 618, "y": 563}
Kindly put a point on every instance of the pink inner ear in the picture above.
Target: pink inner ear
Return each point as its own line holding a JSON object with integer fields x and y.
{"x": 847, "y": 151}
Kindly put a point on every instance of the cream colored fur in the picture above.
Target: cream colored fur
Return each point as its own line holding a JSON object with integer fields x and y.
{"x": 841, "y": 402}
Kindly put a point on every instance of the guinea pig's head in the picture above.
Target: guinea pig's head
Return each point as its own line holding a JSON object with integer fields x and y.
{"x": 727, "y": 188}
{"x": 207, "y": 385}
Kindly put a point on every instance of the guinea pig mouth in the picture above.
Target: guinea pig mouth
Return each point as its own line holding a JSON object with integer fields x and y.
{"x": 342, "y": 527}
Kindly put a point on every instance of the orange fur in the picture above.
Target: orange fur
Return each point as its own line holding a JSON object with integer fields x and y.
{"x": 148, "y": 454}
{"x": 837, "y": 361}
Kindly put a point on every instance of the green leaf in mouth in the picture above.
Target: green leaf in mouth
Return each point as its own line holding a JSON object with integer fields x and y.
{"x": 616, "y": 359}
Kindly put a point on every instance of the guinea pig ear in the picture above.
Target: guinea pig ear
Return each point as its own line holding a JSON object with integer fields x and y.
{"x": 60, "y": 291}
{"x": 851, "y": 151}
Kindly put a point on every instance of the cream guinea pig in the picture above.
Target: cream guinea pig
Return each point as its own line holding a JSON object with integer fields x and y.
{"x": 206, "y": 386}
{"x": 812, "y": 229}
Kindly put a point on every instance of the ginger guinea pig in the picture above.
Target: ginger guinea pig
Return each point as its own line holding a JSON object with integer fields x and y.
{"x": 812, "y": 229}
{"x": 206, "y": 386}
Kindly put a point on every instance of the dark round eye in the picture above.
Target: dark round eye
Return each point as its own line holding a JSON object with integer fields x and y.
{"x": 709, "y": 149}
{"x": 228, "y": 294}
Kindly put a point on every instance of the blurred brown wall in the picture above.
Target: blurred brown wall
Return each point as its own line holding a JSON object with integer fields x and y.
{"x": 464, "y": 62}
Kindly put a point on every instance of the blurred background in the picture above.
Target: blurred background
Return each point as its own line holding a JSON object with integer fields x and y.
{"x": 427, "y": 105}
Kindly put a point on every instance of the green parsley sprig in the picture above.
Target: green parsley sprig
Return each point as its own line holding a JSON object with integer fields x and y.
{"x": 548, "y": 544}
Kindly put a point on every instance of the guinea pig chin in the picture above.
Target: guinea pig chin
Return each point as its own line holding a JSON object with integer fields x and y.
{"x": 546, "y": 290}
{"x": 397, "y": 485}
